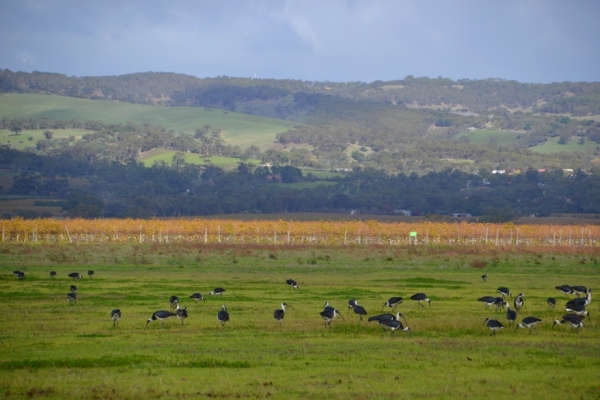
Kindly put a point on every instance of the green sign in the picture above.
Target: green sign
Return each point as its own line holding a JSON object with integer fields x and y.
{"x": 413, "y": 234}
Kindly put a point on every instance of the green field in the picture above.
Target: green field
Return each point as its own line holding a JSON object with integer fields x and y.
{"x": 192, "y": 158}
{"x": 22, "y": 140}
{"x": 237, "y": 129}
{"x": 488, "y": 136}
{"x": 51, "y": 350}
{"x": 552, "y": 146}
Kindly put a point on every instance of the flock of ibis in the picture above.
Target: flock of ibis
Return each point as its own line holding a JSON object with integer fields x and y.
{"x": 576, "y": 308}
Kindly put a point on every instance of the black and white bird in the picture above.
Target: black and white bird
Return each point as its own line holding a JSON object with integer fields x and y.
{"x": 392, "y": 303}
{"x": 382, "y": 317}
{"x": 292, "y": 283}
{"x": 217, "y": 292}
{"x": 73, "y": 289}
{"x": 115, "y": 316}
{"x": 493, "y": 324}
{"x": 564, "y": 289}
{"x": 181, "y": 313}
{"x": 504, "y": 291}
{"x": 328, "y": 314}
{"x": 52, "y": 274}
{"x": 529, "y": 322}
{"x": 519, "y": 302}
{"x": 174, "y": 301}
{"x": 511, "y": 315}
{"x": 223, "y": 316}
{"x": 279, "y": 314}
{"x": 551, "y": 301}
{"x": 419, "y": 297}
{"x": 487, "y": 301}
{"x": 579, "y": 290}
{"x": 574, "y": 321}
{"x": 499, "y": 303}
{"x": 91, "y": 273}
{"x": 583, "y": 301}
{"x": 19, "y": 274}
{"x": 327, "y": 307}
{"x": 484, "y": 277}
{"x": 161, "y": 316}
{"x": 394, "y": 325}
{"x": 360, "y": 310}
{"x": 75, "y": 275}
{"x": 197, "y": 297}
{"x": 578, "y": 310}
{"x": 72, "y": 298}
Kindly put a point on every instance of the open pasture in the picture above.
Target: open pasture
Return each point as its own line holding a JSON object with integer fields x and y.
{"x": 49, "y": 349}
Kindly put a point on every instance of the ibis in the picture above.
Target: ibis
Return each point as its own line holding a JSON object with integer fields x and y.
{"x": 499, "y": 303}
{"x": 519, "y": 302}
{"x": 52, "y": 274}
{"x": 174, "y": 301}
{"x": 91, "y": 273}
{"x": 484, "y": 277}
{"x": 419, "y": 297}
{"x": 511, "y": 315}
{"x": 392, "y": 303}
{"x": 564, "y": 289}
{"x": 292, "y": 283}
{"x": 351, "y": 304}
{"x": 19, "y": 274}
{"x": 181, "y": 313}
{"x": 328, "y": 314}
{"x": 493, "y": 324}
{"x": 578, "y": 290}
{"x": 578, "y": 310}
{"x": 382, "y": 317}
{"x": 279, "y": 314}
{"x": 72, "y": 298}
{"x": 160, "y": 316}
{"x": 217, "y": 292}
{"x": 504, "y": 292}
{"x": 551, "y": 301}
{"x": 197, "y": 297}
{"x": 529, "y": 322}
{"x": 393, "y": 325}
{"x": 223, "y": 316}
{"x": 73, "y": 288}
{"x": 115, "y": 316}
{"x": 487, "y": 301}
{"x": 573, "y": 320}
{"x": 75, "y": 275}
{"x": 360, "y": 310}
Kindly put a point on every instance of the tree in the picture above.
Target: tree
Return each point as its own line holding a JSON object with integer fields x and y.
{"x": 48, "y": 134}
{"x": 178, "y": 160}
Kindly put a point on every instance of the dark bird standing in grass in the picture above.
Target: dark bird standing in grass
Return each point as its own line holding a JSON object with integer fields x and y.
{"x": 484, "y": 277}
{"x": 504, "y": 292}
{"x": 360, "y": 310}
{"x": 174, "y": 301}
{"x": 217, "y": 292}
{"x": 73, "y": 288}
{"x": 529, "y": 322}
{"x": 279, "y": 314}
{"x": 551, "y": 301}
{"x": 351, "y": 304}
{"x": 115, "y": 316}
{"x": 564, "y": 289}
{"x": 19, "y": 274}
{"x": 91, "y": 273}
{"x": 223, "y": 316}
{"x": 382, "y": 317}
{"x": 160, "y": 316}
{"x": 519, "y": 302}
{"x": 487, "y": 301}
{"x": 181, "y": 313}
{"x": 499, "y": 303}
{"x": 328, "y": 314}
{"x": 574, "y": 321}
{"x": 394, "y": 325}
{"x": 493, "y": 324}
{"x": 392, "y": 303}
{"x": 579, "y": 290}
{"x": 292, "y": 283}
{"x": 52, "y": 274}
{"x": 197, "y": 297}
{"x": 578, "y": 309}
{"x": 419, "y": 297}
{"x": 511, "y": 315}
{"x": 75, "y": 275}
{"x": 72, "y": 298}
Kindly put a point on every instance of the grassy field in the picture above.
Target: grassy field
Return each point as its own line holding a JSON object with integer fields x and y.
{"x": 238, "y": 129}
{"x": 23, "y": 140}
{"x": 487, "y": 136}
{"x": 49, "y": 349}
{"x": 191, "y": 158}
{"x": 552, "y": 146}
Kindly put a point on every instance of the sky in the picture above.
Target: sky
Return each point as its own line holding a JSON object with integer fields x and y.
{"x": 537, "y": 41}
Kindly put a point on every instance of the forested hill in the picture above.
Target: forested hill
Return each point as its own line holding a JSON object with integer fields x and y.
{"x": 575, "y": 98}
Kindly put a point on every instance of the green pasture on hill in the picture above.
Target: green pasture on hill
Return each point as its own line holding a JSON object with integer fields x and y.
{"x": 238, "y": 129}
{"x": 192, "y": 158}
{"x": 28, "y": 138}
{"x": 551, "y": 146}
{"x": 51, "y": 350}
{"x": 489, "y": 136}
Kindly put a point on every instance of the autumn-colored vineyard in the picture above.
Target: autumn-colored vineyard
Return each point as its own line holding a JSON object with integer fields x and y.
{"x": 295, "y": 232}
